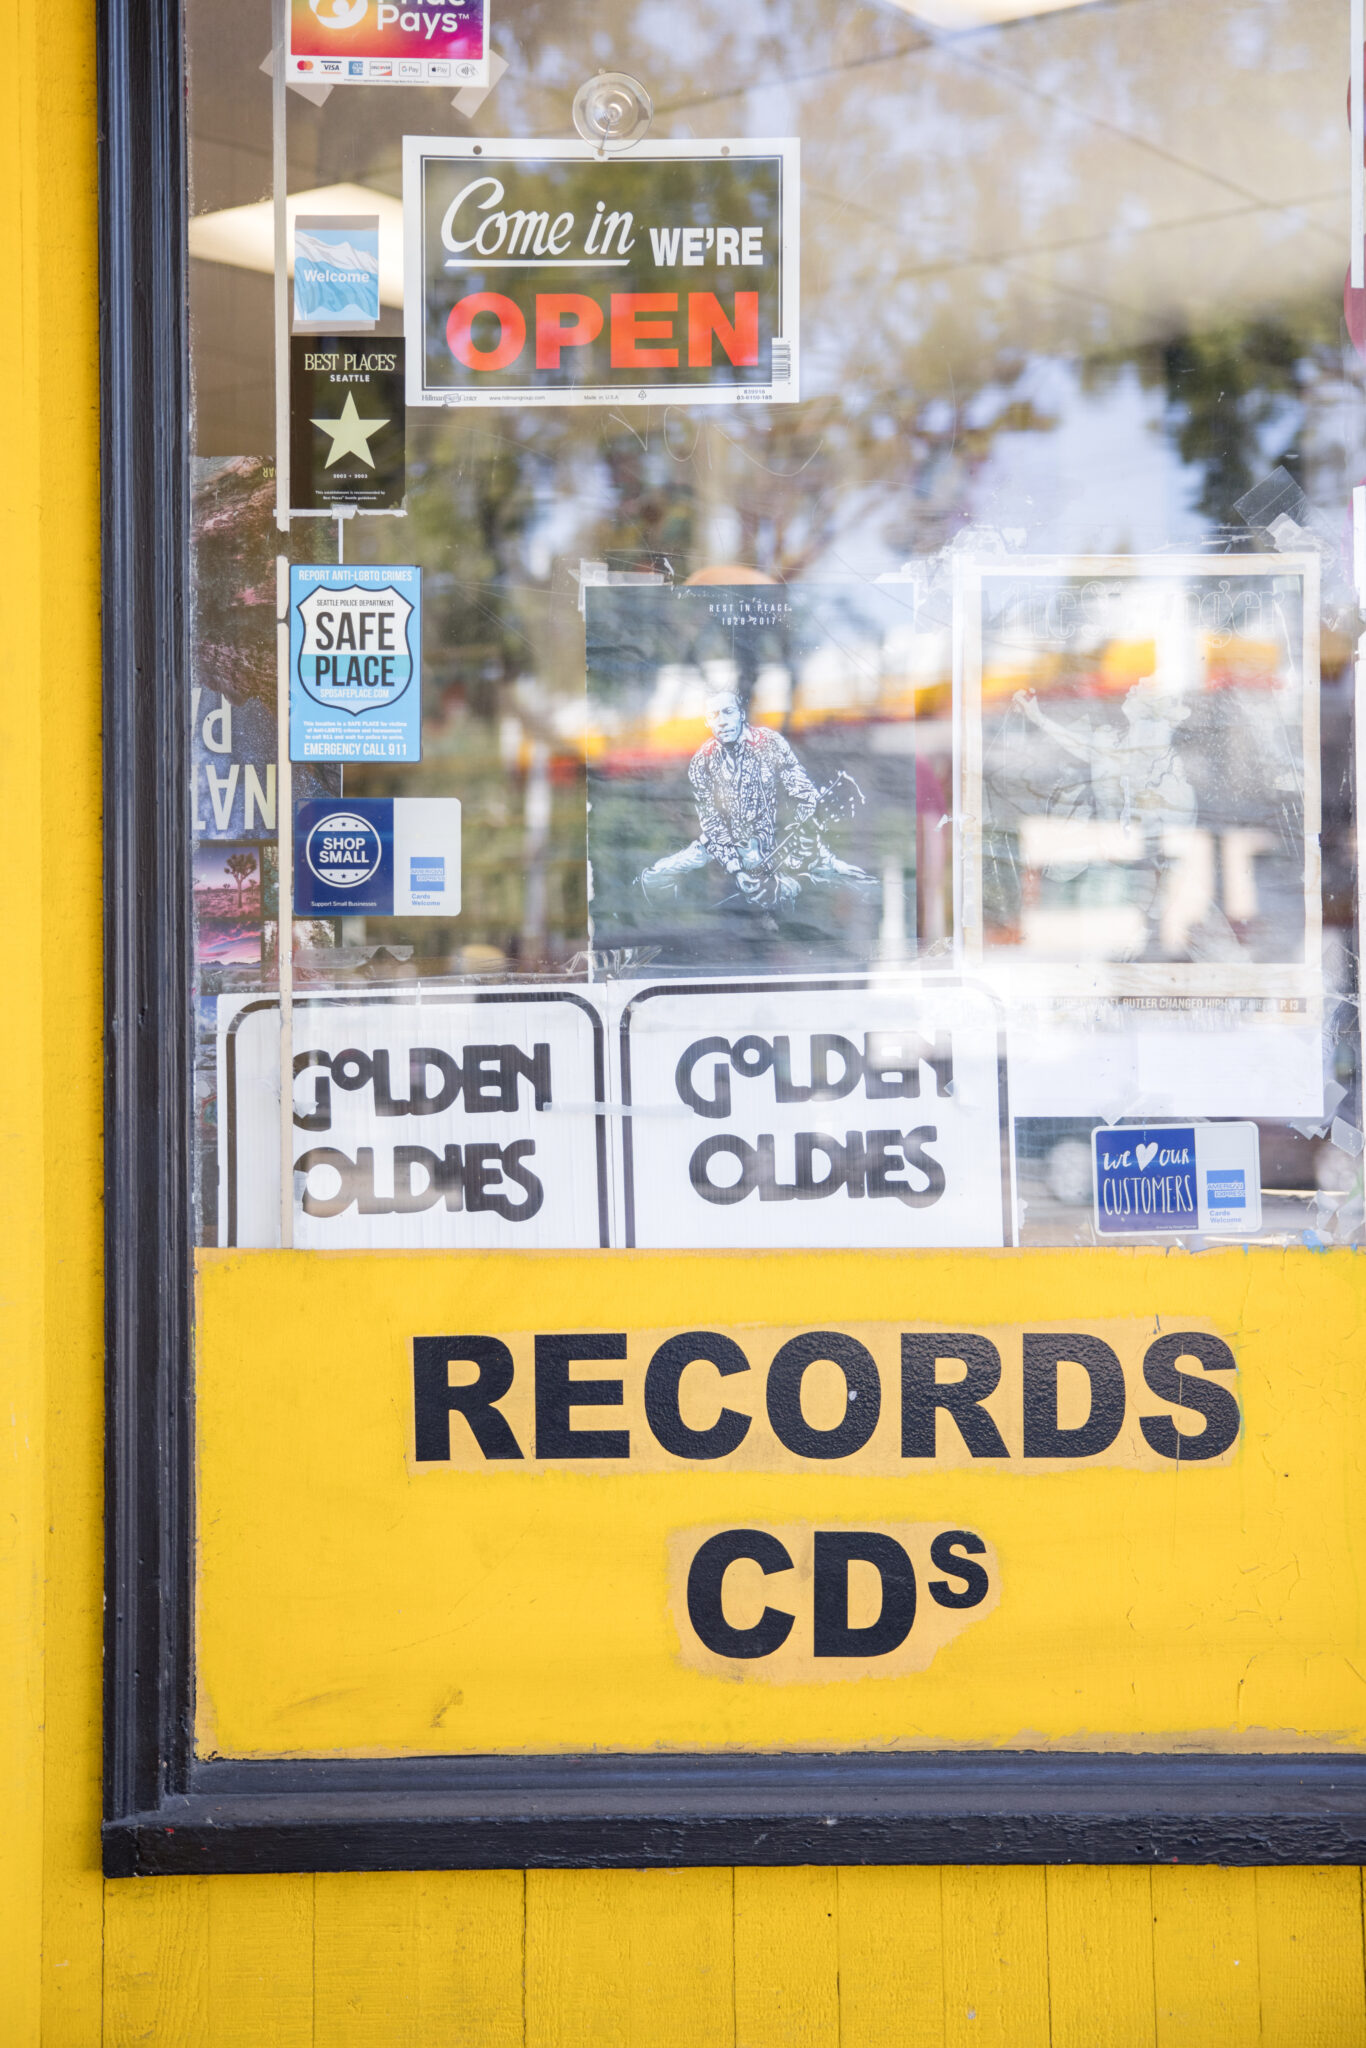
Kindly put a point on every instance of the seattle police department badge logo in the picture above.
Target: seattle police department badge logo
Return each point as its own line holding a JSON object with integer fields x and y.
{"x": 356, "y": 654}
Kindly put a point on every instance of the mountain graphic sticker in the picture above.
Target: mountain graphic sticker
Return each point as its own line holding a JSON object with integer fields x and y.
{"x": 336, "y": 272}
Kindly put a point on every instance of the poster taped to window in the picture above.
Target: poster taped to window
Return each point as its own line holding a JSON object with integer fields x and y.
{"x": 1138, "y": 827}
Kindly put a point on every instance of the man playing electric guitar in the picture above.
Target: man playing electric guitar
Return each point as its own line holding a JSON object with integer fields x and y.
{"x": 736, "y": 780}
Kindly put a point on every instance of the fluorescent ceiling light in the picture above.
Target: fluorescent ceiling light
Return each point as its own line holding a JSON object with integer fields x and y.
{"x": 962, "y": 14}
{"x": 244, "y": 236}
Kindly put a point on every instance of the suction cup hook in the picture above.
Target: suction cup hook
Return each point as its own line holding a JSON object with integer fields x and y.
{"x": 612, "y": 111}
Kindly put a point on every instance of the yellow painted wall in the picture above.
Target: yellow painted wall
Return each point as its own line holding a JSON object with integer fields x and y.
{"x": 859, "y": 1958}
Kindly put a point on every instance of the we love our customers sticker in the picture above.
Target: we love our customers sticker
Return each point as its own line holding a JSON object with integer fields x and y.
{"x": 1158, "y": 1179}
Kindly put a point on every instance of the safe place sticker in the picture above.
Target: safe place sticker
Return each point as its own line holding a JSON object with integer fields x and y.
{"x": 1156, "y": 1179}
{"x": 355, "y": 663}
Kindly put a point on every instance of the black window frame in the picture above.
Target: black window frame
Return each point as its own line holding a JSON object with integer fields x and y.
{"x": 164, "y": 1811}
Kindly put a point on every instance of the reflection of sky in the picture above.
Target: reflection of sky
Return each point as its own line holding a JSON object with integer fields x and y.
{"x": 1103, "y": 477}
{"x": 1105, "y": 480}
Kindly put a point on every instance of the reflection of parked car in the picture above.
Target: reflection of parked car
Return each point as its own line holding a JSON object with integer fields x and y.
{"x": 1292, "y": 1163}
{"x": 1053, "y": 1153}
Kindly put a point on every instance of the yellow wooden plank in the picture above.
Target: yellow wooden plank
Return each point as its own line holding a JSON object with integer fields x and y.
{"x": 22, "y": 1334}
{"x": 995, "y": 1958}
{"x": 1100, "y": 1957}
{"x": 259, "y": 1990}
{"x": 51, "y": 1337}
{"x": 1309, "y": 1938}
{"x": 891, "y": 1973}
{"x": 72, "y": 1026}
{"x": 786, "y": 1959}
{"x": 422, "y": 1959}
{"x": 156, "y": 1938}
{"x": 1205, "y": 1968}
{"x": 366, "y": 1934}
{"x": 629, "y": 1959}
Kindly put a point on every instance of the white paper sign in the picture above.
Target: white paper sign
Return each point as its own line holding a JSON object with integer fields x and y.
{"x": 426, "y": 856}
{"x": 430, "y": 1123}
{"x": 814, "y": 1114}
{"x": 1090, "y": 1050}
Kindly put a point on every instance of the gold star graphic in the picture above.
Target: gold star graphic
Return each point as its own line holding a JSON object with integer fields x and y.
{"x": 350, "y": 434}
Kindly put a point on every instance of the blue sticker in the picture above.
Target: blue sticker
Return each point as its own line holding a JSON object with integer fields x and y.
{"x": 1155, "y": 1178}
{"x": 344, "y": 857}
{"x": 1225, "y": 1193}
{"x": 1146, "y": 1179}
{"x": 336, "y": 266}
{"x": 355, "y": 663}
{"x": 353, "y": 856}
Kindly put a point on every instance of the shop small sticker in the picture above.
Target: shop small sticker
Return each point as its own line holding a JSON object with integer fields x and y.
{"x": 377, "y": 856}
{"x": 343, "y": 850}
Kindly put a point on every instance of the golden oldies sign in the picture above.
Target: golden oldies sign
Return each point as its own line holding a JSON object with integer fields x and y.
{"x": 689, "y": 1115}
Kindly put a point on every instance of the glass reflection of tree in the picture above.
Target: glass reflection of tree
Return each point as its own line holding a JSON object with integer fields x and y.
{"x": 926, "y": 305}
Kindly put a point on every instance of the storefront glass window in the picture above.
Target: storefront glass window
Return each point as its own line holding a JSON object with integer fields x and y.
{"x": 787, "y": 672}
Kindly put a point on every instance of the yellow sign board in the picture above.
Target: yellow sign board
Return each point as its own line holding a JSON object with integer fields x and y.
{"x": 592, "y": 1502}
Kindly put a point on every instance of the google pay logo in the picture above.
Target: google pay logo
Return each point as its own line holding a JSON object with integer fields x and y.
{"x": 339, "y": 13}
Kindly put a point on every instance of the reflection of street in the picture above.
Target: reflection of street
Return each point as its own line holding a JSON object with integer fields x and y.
{"x": 1089, "y": 890}
{"x": 1165, "y": 825}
